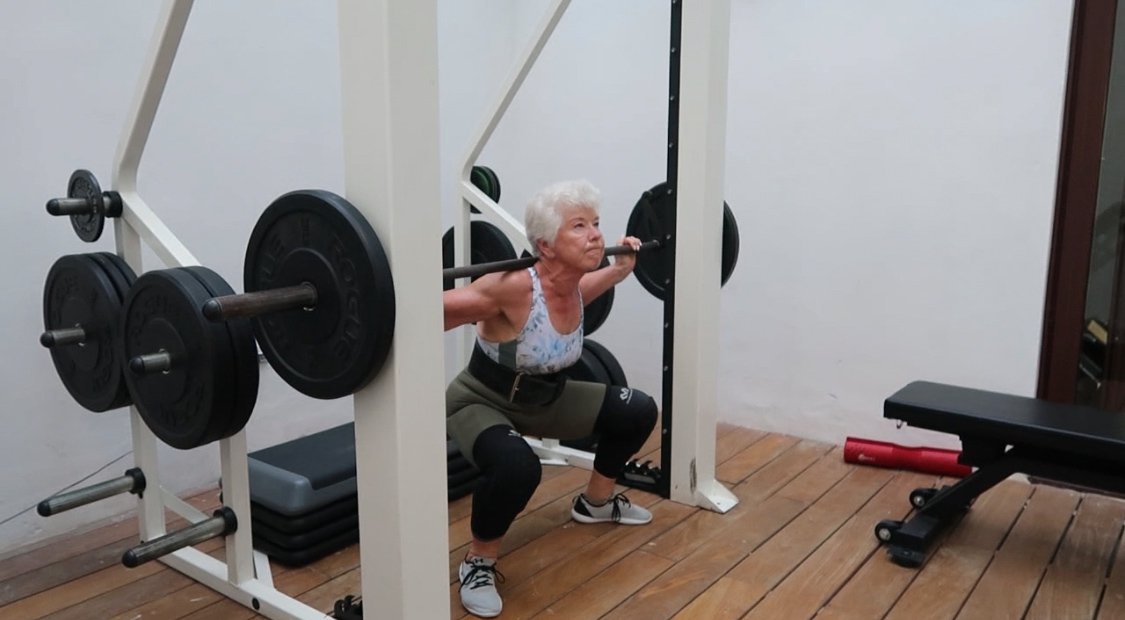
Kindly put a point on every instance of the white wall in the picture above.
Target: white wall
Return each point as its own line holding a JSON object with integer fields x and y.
{"x": 891, "y": 166}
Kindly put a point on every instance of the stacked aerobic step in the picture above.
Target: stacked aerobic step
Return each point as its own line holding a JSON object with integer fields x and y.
{"x": 303, "y": 503}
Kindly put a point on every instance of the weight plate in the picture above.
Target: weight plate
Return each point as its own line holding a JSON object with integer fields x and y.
{"x": 493, "y": 182}
{"x": 186, "y": 405}
{"x": 613, "y": 369}
{"x": 79, "y": 293}
{"x": 83, "y": 184}
{"x": 596, "y": 312}
{"x": 487, "y": 244}
{"x": 336, "y": 348}
{"x": 120, "y": 283}
{"x": 245, "y": 351}
{"x": 652, "y": 218}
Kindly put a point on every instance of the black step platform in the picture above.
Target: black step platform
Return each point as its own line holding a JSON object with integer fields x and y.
{"x": 1001, "y": 435}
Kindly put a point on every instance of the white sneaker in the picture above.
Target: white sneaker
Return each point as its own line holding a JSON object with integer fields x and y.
{"x": 617, "y": 509}
{"x": 478, "y": 587}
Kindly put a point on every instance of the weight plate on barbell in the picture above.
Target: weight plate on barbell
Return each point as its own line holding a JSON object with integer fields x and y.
{"x": 83, "y": 184}
{"x": 335, "y": 348}
{"x": 188, "y": 405}
{"x": 79, "y": 293}
{"x": 245, "y": 351}
{"x": 652, "y": 218}
{"x": 487, "y": 242}
{"x": 613, "y": 369}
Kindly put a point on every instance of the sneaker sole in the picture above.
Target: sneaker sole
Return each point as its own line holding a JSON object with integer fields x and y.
{"x": 581, "y": 518}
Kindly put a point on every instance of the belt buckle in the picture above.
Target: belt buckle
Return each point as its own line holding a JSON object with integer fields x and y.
{"x": 515, "y": 386}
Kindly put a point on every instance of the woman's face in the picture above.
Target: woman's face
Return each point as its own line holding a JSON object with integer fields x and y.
{"x": 579, "y": 241}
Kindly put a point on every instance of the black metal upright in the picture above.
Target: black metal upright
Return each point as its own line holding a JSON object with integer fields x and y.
{"x": 668, "y": 251}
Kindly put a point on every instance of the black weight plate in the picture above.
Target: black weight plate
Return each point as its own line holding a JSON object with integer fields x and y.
{"x": 596, "y": 312}
{"x": 492, "y": 181}
{"x": 612, "y": 367}
{"x": 118, "y": 265}
{"x": 121, "y": 283}
{"x": 730, "y": 243}
{"x": 185, "y": 405}
{"x": 651, "y": 218}
{"x": 488, "y": 244}
{"x": 78, "y": 292}
{"x": 83, "y": 184}
{"x": 245, "y": 351}
{"x": 336, "y": 348}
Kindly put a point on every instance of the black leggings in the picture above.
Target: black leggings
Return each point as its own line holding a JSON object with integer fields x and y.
{"x": 511, "y": 470}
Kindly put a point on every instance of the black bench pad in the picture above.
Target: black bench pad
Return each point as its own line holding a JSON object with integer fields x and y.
{"x": 1016, "y": 420}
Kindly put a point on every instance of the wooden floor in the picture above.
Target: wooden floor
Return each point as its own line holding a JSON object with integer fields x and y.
{"x": 798, "y": 545}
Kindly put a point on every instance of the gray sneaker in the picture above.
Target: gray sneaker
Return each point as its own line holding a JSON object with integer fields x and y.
{"x": 478, "y": 587}
{"x": 618, "y": 510}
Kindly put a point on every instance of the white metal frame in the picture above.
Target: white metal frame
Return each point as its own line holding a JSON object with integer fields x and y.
{"x": 388, "y": 55}
{"x": 702, "y": 127}
{"x": 389, "y": 68}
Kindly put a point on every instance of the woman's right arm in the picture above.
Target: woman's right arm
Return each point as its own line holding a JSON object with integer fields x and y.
{"x": 475, "y": 302}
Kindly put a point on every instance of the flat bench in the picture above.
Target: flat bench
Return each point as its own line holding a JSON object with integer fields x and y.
{"x": 1001, "y": 435}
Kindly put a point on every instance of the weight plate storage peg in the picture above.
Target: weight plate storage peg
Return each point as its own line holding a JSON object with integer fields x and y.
{"x": 82, "y": 304}
{"x": 653, "y": 217}
{"x": 87, "y": 205}
{"x": 182, "y": 369}
{"x": 335, "y": 345}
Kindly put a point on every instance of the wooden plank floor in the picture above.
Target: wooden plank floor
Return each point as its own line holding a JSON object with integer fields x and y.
{"x": 799, "y": 544}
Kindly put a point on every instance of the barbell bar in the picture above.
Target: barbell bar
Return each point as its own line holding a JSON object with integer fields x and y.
{"x": 473, "y": 271}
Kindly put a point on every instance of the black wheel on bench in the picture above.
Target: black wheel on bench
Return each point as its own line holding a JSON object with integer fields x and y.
{"x": 886, "y": 529}
{"x": 919, "y": 497}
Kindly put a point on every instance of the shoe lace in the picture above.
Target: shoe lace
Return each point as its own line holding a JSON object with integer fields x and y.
{"x": 482, "y": 575}
{"x": 618, "y": 500}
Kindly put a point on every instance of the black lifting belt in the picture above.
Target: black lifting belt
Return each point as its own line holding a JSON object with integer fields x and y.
{"x": 517, "y": 386}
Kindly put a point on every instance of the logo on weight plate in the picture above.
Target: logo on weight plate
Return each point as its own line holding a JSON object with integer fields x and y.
{"x": 626, "y": 394}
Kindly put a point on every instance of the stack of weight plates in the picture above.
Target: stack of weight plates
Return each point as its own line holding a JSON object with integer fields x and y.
{"x": 303, "y": 503}
{"x": 82, "y": 302}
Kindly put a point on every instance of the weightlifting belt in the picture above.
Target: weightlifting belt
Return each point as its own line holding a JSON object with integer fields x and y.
{"x": 517, "y": 386}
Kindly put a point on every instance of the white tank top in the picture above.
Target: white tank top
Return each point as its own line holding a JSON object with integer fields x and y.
{"x": 538, "y": 349}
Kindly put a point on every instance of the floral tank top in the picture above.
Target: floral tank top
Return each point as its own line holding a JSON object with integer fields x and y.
{"x": 538, "y": 349}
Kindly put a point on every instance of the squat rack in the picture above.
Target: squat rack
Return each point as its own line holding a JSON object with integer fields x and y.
{"x": 698, "y": 56}
{"x": 388, "y": 60}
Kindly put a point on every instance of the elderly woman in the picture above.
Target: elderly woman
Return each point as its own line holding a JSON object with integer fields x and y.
{"x": 529, "y": 328}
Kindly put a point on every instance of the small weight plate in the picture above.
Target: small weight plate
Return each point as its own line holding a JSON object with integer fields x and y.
{"x": 79, "y": 293}
{"x": 83, "y": 184}
{"x": 184, "y": 405}
{"x": 652, "y": 218}
{"x": 337, "y": 347}
{"x": 596, "y": 312}
{"x": 245, "y": 352}
{"x": 487, "y": 244}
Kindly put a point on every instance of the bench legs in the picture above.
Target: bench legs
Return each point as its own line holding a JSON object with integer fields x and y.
{"x": 907, "y": 542}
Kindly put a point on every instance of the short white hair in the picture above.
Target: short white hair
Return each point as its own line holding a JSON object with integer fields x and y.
{"x": 543, "y": 216}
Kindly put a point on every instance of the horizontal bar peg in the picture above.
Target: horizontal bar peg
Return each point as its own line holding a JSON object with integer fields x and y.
{"x": 260, "y": 302}
{"x": 132, "y": 482}
{"x": 62, "y": 337}
{"x": 221, "y": 523}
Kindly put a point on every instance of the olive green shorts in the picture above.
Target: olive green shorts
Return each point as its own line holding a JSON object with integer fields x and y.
{"x": 471, "y": 407}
